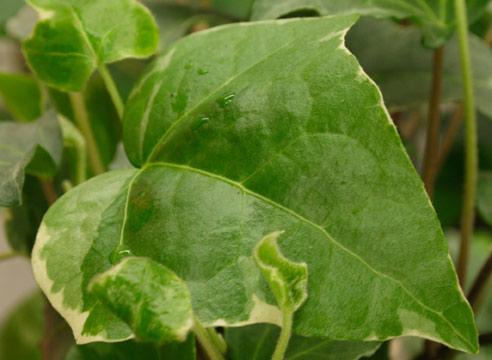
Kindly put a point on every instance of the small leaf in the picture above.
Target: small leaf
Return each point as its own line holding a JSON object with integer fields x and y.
{"x": 73, "y": 37}
{"x": 34, "y": 148}
{"x": 484, "y": 197}
{"x": 149, "y": 297}
{"x": 131, "y": 350}
{"x": 287, "y": 280}
{"x": 22, "y": 331}
{"x": 22, "y": 96}
{"x": 257, "y": 342}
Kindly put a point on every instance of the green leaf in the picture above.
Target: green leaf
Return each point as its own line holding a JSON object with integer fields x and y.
{"x": 435, "y": 18}
{"x": 287, "y": 280}
{"x": 149, "y": 297}
{"x": 277, "y": 128}
{"x": 74, "y": 260}
{"x": 237, "y": 9}
{"x": 34, "y": 148}
{"x": 130, "y": 350}
{"x": 403, "y": 68}
{"x": 484, "y": 198}
{"x": 74, "y": 37}
{"x": 22, "y": 331}
{"x": 257, "y": 342}
{"x": 22, "y": 96}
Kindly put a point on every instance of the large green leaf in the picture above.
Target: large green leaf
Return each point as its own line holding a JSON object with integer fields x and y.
{"x": 34, "y": 148}
{"x": 22, "y": 96}
{"x": 403, "y": 68}
{"x": 257, "y": 342}
{"x": 74, "y": 37}
{"x": 278, "y": 128}
{"x": 435, "y": 18}
{"x": 22, "y": 330}
{"x": 147, "y": 296}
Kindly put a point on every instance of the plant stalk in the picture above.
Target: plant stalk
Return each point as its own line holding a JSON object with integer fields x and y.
{"x": 112, "y": 90}
{"x": 285, "y": 334}
{"x": 82, "y": 121}
{"x": 49, "y": 191}
{"x": 206, "y": 342}
{"x": 471, "y": 148}
{"x": 9, "y": 255}
{"x": 218, "y": 340}
{"x": 431, "y": 157}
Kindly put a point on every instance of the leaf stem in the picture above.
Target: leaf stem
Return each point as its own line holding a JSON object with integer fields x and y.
{"x": 10, "y": 255}
{"x": 433, "y": 123}
{"x": 471, "y": 148}
{"x": 285, "y": 334}
{"x": 48, "y": 190}
{"x": 82, "y": 121}
{"x": 112, "y": 90}
{"x": 73, "y": 138}
{"x": 476, "y": 291}
{"x": 206, "y": 342}
{"x": 218, "y": 340}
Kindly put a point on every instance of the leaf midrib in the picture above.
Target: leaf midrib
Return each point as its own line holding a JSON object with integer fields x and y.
{"x": 294, "y": 214}
{"x": 168, "y": 133}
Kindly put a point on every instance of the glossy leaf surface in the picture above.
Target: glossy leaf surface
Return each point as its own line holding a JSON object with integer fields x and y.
{"x": 278, "y": 128}
{"x": 257, "y": 342}
{"x": 74, "y": 37}
{"x": 147, "y": 296}
{"x": 33, "y": 148}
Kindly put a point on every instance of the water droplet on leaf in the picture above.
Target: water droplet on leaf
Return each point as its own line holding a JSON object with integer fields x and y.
{"x": 226, "y": 100}
{"x": 201, "y": 121}
{"x": 118, "y": 254}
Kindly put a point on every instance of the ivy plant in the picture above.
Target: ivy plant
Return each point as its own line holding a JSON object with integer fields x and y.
{"x": 246, "y": 192}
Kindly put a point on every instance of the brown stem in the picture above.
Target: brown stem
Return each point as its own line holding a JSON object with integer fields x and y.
{"x": 479, "y": 285}
{"x": 57, "y": 337}
{"x": 433, "y": 123}
{"x": 49, "y": 191}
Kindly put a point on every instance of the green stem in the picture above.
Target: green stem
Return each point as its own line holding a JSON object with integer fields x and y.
{"x": 206, "y": 342}
{"x": 82, "y": 121}
{"x": 285, "y": 334}
{"x": 112, "y": 90}
{"x": 9, "y": 255}
{"x": 74, "y": 139}
{"x": 218, "y": 340}
{"x": 471, "y": 149}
